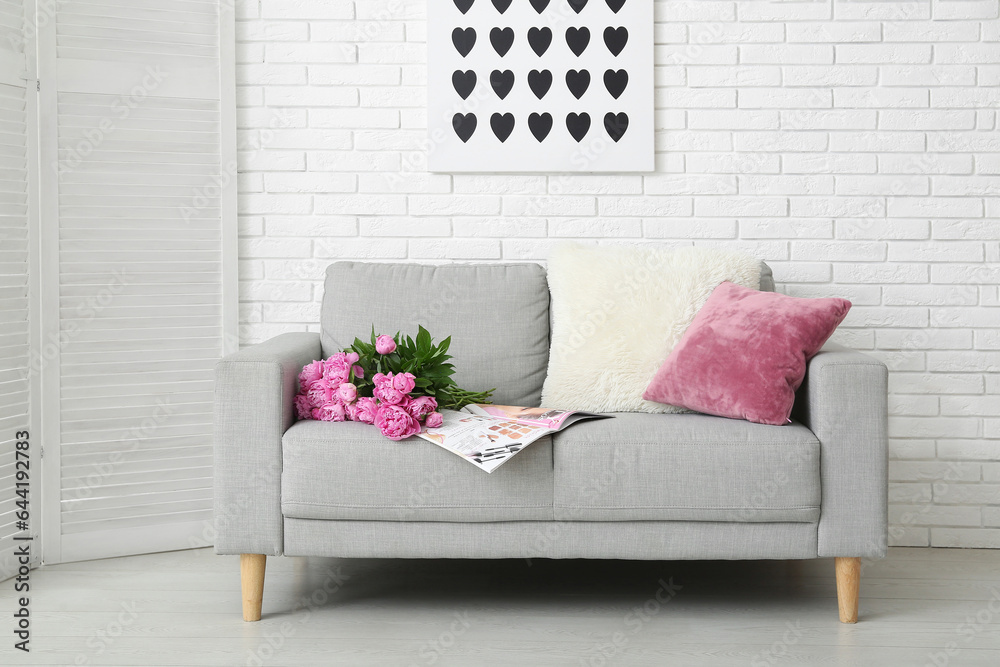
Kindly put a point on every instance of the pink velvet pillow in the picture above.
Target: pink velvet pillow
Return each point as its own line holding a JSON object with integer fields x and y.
{"x": 745, "y": 354}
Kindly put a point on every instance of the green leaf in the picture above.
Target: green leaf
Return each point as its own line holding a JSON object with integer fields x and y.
{"x": 361, "y": 348}
{"x": 424, "y": 341}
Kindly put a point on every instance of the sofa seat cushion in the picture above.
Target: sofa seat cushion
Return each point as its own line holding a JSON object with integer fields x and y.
{"x": 685, "y": 467}
{"x": 348, "y": 470}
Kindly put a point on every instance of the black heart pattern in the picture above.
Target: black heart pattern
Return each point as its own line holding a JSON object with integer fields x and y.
{"x": 577, "y": 82}
{"x": 539, "y": 82}
{"x": 502, "y": 39}
{"x": 616, "y": 82}
{"x": 502, "y": 82}
{"x": 615, "y": 124}
{"x": 463, "y": 40}
{"x": 578, "y": 125}
{"x": 615, "y": 38}
{"x": 465, "y": 125}
{"x": 539, "y": 40}
{"x": 464, "y": 82}
{"x": 503, "y": 125}
{"x": 577, "y": 39}
{"x": 540, "y": 125}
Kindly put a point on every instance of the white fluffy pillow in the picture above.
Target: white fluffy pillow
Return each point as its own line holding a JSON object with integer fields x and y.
{"x": 618, "y": 311}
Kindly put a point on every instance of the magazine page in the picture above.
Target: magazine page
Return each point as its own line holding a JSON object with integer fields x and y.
{"x": 546, "y": 417}
{"x": 485, "y": 441}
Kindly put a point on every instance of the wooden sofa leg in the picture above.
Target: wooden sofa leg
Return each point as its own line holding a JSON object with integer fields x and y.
{"x": 252, "y": 582}
{"x": 848, "y": 583}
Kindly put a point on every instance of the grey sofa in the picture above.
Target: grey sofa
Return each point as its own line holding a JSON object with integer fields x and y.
{"x": 640, "y": 486}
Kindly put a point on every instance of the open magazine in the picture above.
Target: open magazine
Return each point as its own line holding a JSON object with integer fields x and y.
{"x": 488, "y": 436}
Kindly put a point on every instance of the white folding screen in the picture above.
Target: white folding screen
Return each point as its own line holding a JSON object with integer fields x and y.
{"x": 17, "y": 144}
{"x": 137, "y": 269}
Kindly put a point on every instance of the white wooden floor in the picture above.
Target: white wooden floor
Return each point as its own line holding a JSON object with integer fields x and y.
{"x": 918, "y": 607}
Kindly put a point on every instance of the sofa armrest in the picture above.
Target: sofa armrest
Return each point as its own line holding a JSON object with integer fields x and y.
{"x": 254, "y": 396}
{"x": 843, "y": 401}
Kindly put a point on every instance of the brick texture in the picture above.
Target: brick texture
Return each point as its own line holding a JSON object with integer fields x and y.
{"x": 853, "y": 145}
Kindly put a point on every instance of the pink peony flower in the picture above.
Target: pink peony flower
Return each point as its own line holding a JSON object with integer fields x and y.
{"x": 403, "y": 382}
{"x": 387, "y": 394}
{"x": 385, "y": 344}
{"x": 347, "y": 392}
{"x": 395, "y": 422}
{"x": 381, "y": 378}
{"x": 331, "y": 412}
{"x": 352, "y": 411}
{"x": 310, "y": 374}
{"x": 365, "y": 410}
{"x": 359, "y": 372}
{"x": 352, "y": 357}
{"x": 321, "y": 392}
{"x": 434, "y": 420}
{"x": 422, "y": 406}
{"x": 303, "y": 407}
{"x": 336, "y": 369}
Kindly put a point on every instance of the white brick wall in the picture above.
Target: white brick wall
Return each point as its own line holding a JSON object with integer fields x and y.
{"x": 852, "y": 145}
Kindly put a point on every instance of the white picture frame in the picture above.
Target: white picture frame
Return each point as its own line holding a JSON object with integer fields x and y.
{"x": 540, "y": 86}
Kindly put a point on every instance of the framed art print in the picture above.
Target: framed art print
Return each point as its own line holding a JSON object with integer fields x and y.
{"x": 540, "y": 85}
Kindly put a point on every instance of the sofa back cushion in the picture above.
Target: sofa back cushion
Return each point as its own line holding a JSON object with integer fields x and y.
{"x": 496, "y": 314}
{"x": 766, "y": 278}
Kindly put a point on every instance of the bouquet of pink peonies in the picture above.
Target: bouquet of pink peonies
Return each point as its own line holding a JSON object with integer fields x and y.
{"x": 396, "y": 383}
